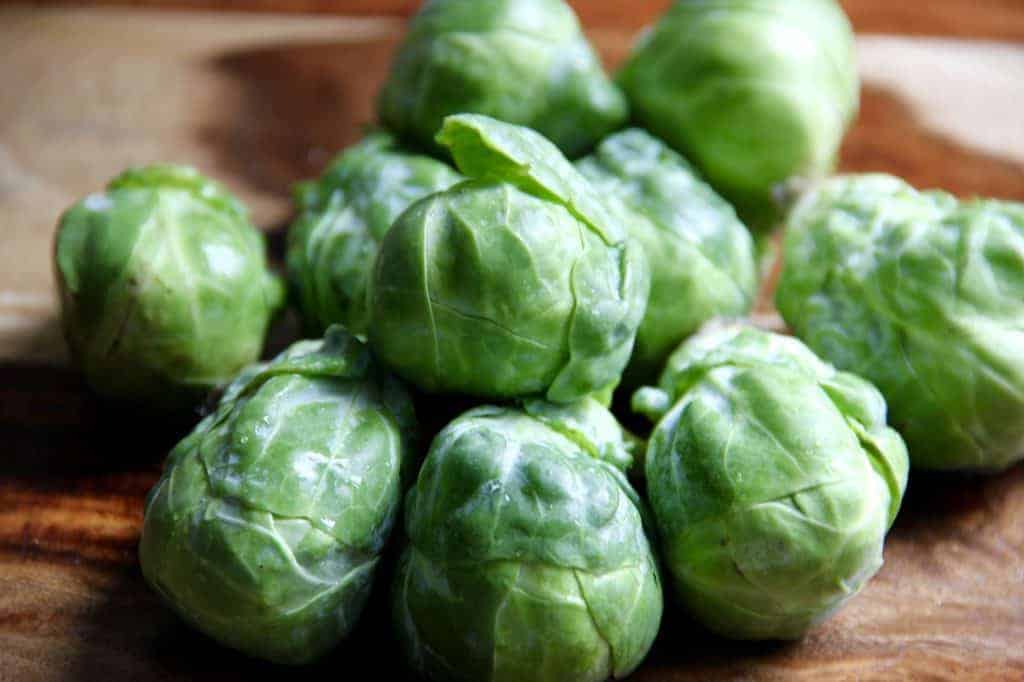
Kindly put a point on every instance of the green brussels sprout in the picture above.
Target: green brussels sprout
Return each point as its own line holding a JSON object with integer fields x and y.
{"x": 268, "y": 523}
{"x": 923, "y": 295}
{"x": 343, "y": 218}
{"x": 700, "y": 255}
{"x": 527, "y": 557}
{"x": 773, "y": 479}
{"x": 754, "y": 92}
{"x": 516, "y": 282}
{"x": 164, "y": 287}
{"x": 522, "y": 61}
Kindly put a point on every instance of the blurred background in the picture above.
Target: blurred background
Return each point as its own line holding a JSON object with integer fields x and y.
{"x": 1000, "y": 19}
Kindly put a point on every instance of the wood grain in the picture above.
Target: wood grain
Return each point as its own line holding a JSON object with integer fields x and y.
{"x": 261, "y": 102}
{"x": 994, "y": 19}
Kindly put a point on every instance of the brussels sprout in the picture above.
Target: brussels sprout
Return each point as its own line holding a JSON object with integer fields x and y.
{"x": 527, "y": 558}
{"x": 773, "y": 480}
{"x": 343, "y": 217}
{"x": 923, "y": 295}
{"x": 265, "y": 530}
{"x": 164, "y": 286}
{"x": 755, "y": 92}
{"x": 701, "y": 256}
{"x": 517, "y": 282}
{"x": 521, "y": 61}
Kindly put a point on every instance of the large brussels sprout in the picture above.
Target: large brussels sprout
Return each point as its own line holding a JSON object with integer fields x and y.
{"x": 700, "y": 255}
{"x": 521, "y": 61}
{"x": 343, "y": 217}
{"x": 164, "y": 286}
{"x": 517, "y": 282}
{"x": 527, "y": 558}
{"x": 923, "y": 295}
{"x": 773, "y": 479}
{"x": 755, "y": 92}
{"x": 265, "y": 530}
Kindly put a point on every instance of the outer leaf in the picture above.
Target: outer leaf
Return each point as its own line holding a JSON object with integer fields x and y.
{"x": 488, "y": 149}
{"x": 588, "y": 424}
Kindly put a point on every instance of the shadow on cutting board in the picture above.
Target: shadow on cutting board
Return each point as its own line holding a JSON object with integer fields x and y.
{"x": 301, "y": 105}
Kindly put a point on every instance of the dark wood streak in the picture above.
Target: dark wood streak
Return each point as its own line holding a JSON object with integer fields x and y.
{"x": 70, "y": 548}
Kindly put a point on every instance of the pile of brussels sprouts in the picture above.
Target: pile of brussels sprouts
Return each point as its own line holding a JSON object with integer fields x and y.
{"x": 504, "y": 237}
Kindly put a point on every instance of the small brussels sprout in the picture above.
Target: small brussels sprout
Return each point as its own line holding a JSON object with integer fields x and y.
{"x": 773, "y": 479}
{"x": 522, "y": 61}
{"x": 924, "y": 296}
{"x": 268, "y": 523}
{"x": 517, "y": 282}
{"x": 700, "y": 255}
{"x": 343, "y": 218}
{"x": 527, "y": 557}
{"x": 754, "y": 92}
{"x": 164, "y": 287}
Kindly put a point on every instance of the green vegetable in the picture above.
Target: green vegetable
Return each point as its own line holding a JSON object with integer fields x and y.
{"x": 755, "y": 92}
{"x": 773, "y": 479}
{"x": 343, "y": 217}
{"x": 700, "y": 255}
{"x": 522, "y": 61}
{"x": 923, "y": 295}
{"x": 164, "y": 286}
{"x": 517, "y": 282}
{"x": 527, "y": 558}
{"x": 268, "y": 523}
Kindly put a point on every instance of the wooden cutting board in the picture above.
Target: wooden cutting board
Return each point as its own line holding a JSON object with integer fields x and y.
{"x": 262, "y": 101}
